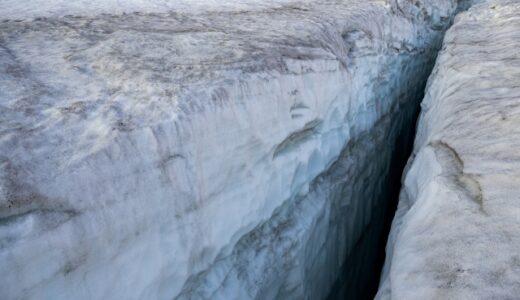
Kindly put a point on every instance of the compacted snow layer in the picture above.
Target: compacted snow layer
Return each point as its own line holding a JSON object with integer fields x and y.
{"x": 456, "y": 231}
{"x": 200, "y": 153}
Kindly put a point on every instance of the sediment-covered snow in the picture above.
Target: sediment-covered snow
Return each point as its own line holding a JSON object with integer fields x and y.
{"x": 456, "y": 234}
{"x": 194, "y": 153}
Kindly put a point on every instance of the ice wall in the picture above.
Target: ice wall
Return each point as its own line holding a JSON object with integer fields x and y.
{"x": 200, "y": 153}
{"x": 455, "y": 235}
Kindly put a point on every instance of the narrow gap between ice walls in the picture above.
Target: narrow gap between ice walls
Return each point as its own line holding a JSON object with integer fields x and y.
{"x": 363, "y": 266}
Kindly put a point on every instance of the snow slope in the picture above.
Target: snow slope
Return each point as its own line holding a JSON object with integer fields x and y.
{"x": 456, "y": 234}
{"x": 199, "y": 152}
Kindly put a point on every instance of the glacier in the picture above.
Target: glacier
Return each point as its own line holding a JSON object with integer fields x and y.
{"x": 200, "y": 150}
{"x": 455, "y": 234}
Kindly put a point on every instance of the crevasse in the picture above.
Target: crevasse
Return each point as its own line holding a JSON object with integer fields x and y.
{"x": 455, "y": 233}
{"x": 235, "y": 152}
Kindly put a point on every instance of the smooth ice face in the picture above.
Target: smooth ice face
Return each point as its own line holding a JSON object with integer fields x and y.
{"x": 455, "y": 235}
{"x": 179, "y": 154}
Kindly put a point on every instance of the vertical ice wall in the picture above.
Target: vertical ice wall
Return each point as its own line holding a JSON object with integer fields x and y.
{"x": 233, "y": 154}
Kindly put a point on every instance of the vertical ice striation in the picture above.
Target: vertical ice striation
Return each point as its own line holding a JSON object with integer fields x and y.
{"x": 456, "y": 231}
{"x": 227, "y": 153}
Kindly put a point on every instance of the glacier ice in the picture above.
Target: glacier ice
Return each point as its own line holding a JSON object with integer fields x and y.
{"x": 156, "y": 150}
{"x": 455, "y": 234}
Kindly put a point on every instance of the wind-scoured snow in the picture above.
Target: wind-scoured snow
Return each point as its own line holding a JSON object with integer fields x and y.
{"x": 456, "y": 231}
{"x": 150, "y": 151}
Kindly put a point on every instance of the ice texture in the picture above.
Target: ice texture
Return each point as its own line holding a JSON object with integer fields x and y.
{"x": 456, "y": 231}
{"x": 156, "y": 151}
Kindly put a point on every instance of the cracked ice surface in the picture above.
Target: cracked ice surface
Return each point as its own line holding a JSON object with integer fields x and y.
{"x": 456, "y": 232}
{"x": 156, "y": 150}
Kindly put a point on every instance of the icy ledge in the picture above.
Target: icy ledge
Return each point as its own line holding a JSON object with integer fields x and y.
{"x": 456, "y": 232}
{"x": 213, "y": 154}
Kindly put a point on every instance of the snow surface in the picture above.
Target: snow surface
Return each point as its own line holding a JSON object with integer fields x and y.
{"x": 456, "y": 231}
{"x": 15, "y": 9}
{"x": 198, "y": 152}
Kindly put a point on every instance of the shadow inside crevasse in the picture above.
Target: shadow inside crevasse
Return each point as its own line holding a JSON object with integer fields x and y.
{"x": 363, "y": 266}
